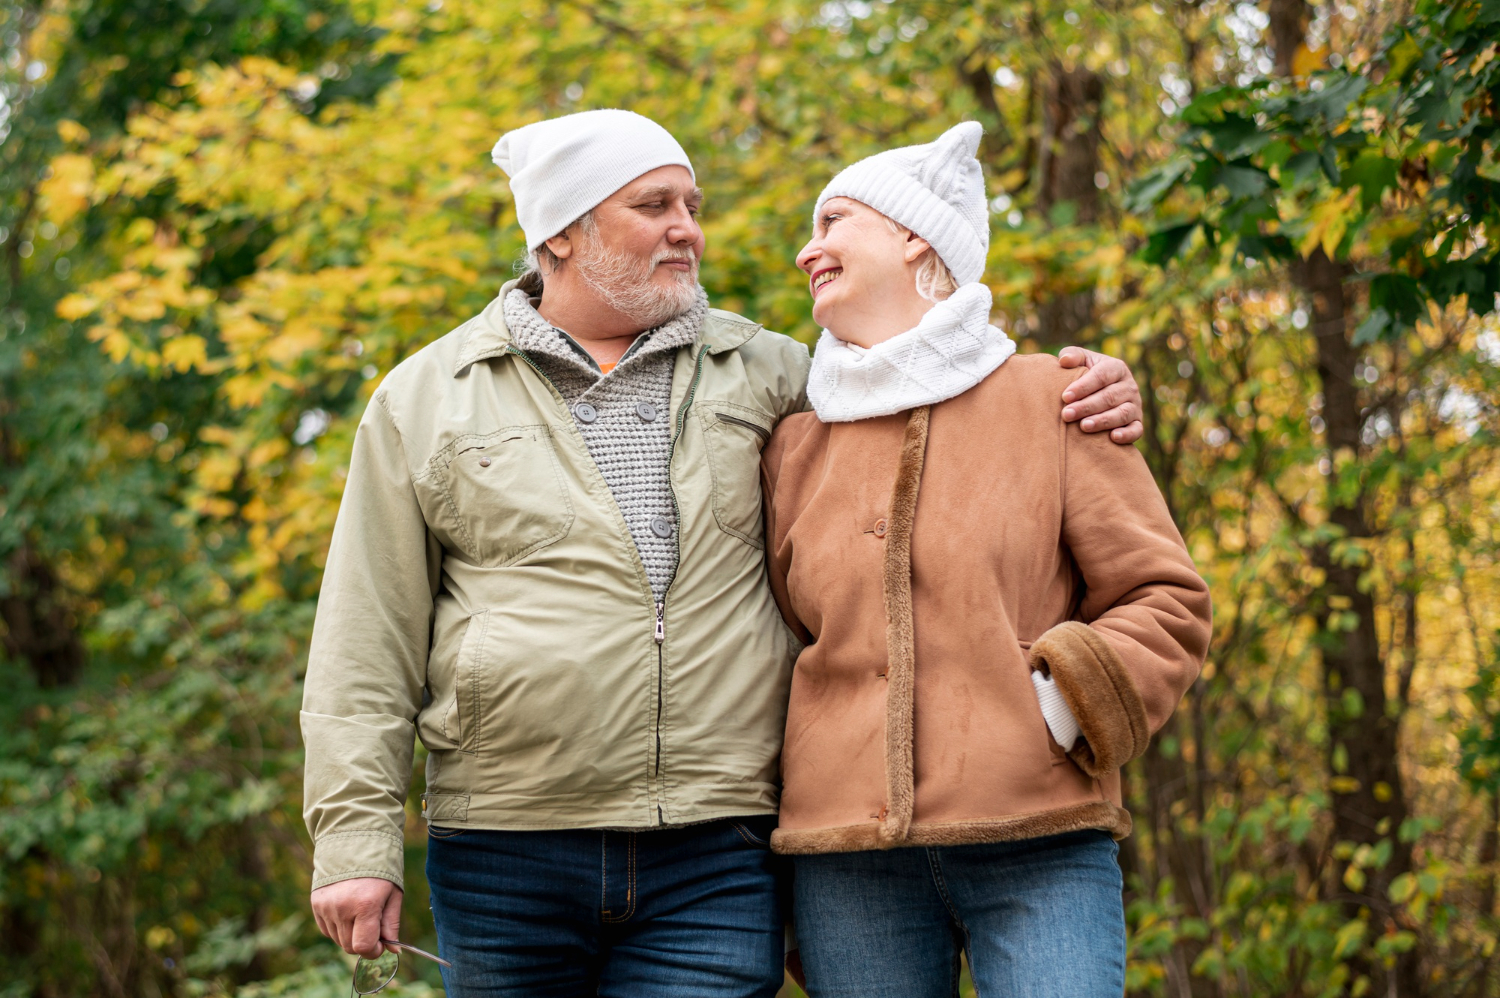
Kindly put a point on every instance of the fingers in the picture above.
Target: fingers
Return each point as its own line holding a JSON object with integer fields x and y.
{"x": 1101, "y": 374}
{"x": 355, "y": 914}
{"x": 1120, "y": 416}
{"x": 1128, "y": 434}
{"x": 1110, "y": 397}
{"x": 1073, "y": 357}
{"x": 365, "y": 933}
{"x": 390, "y": 918}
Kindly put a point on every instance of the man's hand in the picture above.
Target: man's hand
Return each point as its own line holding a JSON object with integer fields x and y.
{"x": 358, "y": 913}
{"x": 1105, "y": 398}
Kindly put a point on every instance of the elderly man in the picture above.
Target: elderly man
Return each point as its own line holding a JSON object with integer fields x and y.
{"x": 549, "y": 566}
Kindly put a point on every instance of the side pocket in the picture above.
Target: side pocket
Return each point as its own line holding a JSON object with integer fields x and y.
{"x": 756, "y": 831}
{"x": 469, "y": 683}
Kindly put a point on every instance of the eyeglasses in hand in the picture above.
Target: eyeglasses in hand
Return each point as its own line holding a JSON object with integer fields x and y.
{"x": 372, "y": 975}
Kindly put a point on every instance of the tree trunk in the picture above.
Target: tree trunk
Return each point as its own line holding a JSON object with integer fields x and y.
{"x": 1369, "y": 800}
{"x": 40, "y": 628}
{"x": 1066, "y": 166}
{"x": 1288, "y": 30}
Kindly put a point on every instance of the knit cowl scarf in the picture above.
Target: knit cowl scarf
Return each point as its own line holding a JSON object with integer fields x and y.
{"x": 951, "y": 350}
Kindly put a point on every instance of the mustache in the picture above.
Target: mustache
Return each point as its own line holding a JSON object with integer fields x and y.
{"x": 687, "y": 258}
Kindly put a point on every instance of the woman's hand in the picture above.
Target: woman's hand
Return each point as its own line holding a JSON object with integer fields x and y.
{"x": 1105, "y": 398}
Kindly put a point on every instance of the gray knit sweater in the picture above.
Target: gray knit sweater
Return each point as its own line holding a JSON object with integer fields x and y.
{"x": 611, "y": 410}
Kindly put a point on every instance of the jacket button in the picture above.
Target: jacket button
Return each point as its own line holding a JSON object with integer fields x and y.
{"x": 880, "y": 527}
{"x": 661, "y": 527}
{"x": 484, "y": 462}
{"x": 585, "y": 412}
{"x": 646, "y": 411}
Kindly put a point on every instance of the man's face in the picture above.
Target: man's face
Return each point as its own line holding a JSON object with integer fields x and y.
{"x": 643, "y": 254}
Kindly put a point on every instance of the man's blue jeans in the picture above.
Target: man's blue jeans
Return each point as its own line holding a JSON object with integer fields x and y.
{"x": 694, "y": 912}
{"x": 1041, "y": 918}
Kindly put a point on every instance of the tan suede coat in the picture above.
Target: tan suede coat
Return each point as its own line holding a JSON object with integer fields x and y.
{"x": 931, "y": 560}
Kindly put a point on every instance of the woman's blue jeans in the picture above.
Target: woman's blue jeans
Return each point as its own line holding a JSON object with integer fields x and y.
{"x": 1040, "y": 918}
{"x": 693, "y": 912}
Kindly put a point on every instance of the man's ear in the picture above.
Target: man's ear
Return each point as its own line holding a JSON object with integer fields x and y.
{"x": 915, "y": 247}
{"x": 561, "y": 245}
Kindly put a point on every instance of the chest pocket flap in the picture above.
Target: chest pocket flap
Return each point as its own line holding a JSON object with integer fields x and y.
{"x": 499, "y": 496}
{"x": 734, "y": 435}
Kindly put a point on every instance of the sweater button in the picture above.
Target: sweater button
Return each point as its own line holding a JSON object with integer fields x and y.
{"x": 484, "y": 462}
{"x": 646, "y": 411}
{"x": 661, "y": 527}
{"x": 881, "y": 527}
{"x": 585, "y": 412}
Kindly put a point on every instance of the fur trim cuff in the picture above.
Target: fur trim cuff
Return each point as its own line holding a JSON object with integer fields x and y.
{"x": 1097, "y": 686}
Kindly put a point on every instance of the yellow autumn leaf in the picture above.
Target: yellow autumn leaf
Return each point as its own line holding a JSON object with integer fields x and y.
{"x": 76, "y": 306}
{"x": 1329, "y": 222}
{"x": 1306, "y": 61}
{"x": 184, "y": 352}
{"x": 66, "y": 193}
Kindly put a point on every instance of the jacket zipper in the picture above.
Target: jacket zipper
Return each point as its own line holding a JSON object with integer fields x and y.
{"x": 660, "y": 632}
{"x": 760, "y": 431}
{"x": 661, "y": 608}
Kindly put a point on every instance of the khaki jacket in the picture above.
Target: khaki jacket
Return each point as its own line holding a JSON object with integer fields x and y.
{"x": 483, "y": 593}
{"x": 931, "y": 561}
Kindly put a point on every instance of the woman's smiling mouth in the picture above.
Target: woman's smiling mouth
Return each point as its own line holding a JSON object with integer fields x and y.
{"x": 823, "y": 277}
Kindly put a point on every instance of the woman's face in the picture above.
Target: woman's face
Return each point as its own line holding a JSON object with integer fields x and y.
{"x": 862, "y": 275}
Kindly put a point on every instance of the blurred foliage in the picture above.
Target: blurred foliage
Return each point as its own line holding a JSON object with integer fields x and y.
{"x": 221, "y": 223}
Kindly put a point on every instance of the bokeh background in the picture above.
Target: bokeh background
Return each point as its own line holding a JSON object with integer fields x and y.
{"x": 223, "y": 221}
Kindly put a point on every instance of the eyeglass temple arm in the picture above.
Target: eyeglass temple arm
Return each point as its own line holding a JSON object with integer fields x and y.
{"x": 419, "y": 952}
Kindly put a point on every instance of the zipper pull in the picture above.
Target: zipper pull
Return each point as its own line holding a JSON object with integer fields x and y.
{"x": 661, "y": 622}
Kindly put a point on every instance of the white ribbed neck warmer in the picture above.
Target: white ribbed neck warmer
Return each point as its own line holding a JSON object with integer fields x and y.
{"x": 951, "y": 350}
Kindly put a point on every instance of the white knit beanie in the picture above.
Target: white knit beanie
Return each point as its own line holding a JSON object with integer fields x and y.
{"x": 935, "y": 190}
{"x": 561, "y": 168}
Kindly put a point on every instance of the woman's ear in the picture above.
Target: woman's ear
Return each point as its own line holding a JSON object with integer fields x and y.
{"x": 916, "y": 246}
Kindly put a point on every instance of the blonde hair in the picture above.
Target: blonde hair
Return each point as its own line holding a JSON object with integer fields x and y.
{"x": 934, "y": 280}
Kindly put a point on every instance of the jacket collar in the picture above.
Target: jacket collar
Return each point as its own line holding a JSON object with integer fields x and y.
{"x": 486, "y": 335}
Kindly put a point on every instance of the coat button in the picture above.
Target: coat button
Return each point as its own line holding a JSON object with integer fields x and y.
{"x": 484, "y": 462}
{"x": 585, "y": 412}
{"x": 661, "y": 527}
{"x": 646, "y": 411}
{"x": 880, "y": 527}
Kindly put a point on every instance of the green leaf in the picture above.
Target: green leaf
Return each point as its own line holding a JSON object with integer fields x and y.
{"x": 1300, "y": 168}
{"x": 1147, "y": 192}
{"x": 1402, "y": 57}
{"x": 1164, "y": 244}
{"x": 1398, "y": 295}
{"x": 1243, "y": 181}
{"x": 1375, "y": 326}
{"x": 1372, "y": 173}
{"x": 1235, "y": 136}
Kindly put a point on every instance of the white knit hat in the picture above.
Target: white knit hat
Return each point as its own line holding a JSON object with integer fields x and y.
{"x": 561, "y": 168}
{"x": 935, "y": 190}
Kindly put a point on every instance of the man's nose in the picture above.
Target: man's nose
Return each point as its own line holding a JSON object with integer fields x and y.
{"x": 683, "y": 227}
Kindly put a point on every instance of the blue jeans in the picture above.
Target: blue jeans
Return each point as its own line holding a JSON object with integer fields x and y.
{"x": 694, "y": 912}
{"x": 1041, "y": 918}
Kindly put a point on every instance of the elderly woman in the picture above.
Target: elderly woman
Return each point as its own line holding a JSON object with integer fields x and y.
{"x": 997, "y": 609}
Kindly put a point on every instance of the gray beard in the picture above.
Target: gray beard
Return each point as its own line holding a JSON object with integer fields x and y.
{"x": 624, "y": 281}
